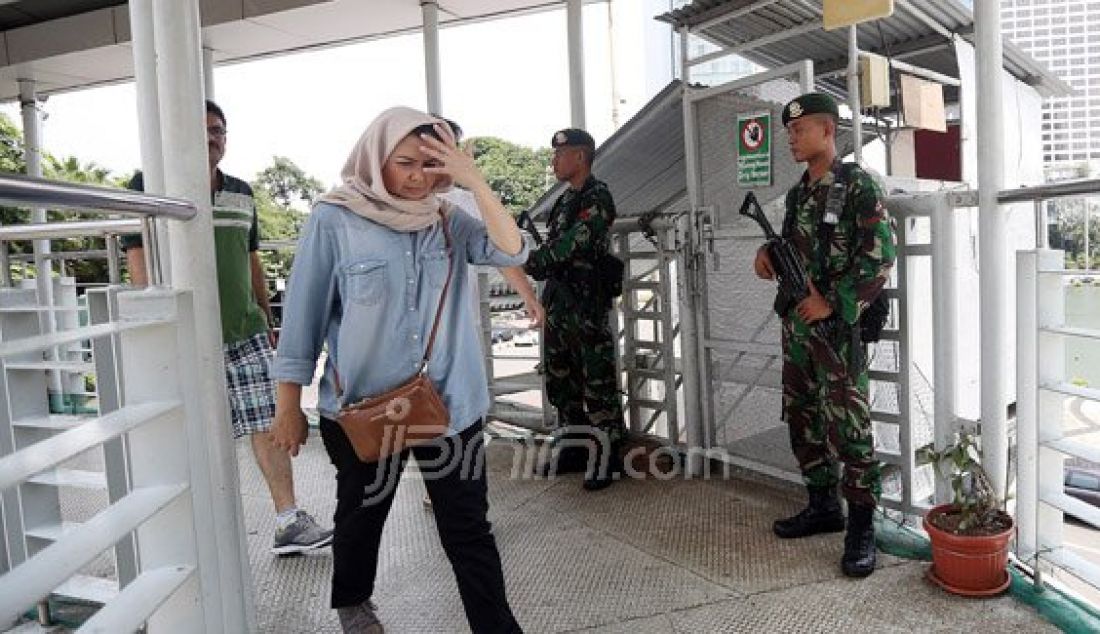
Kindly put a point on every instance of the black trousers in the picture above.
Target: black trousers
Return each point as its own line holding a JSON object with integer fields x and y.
{"x": 454, "y": 473}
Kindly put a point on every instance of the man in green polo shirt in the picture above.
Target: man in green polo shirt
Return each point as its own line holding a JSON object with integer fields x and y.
{"x": 246, "y": 336}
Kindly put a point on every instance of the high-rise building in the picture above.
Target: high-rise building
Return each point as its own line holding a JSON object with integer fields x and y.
{"x": 1063, "y": 35}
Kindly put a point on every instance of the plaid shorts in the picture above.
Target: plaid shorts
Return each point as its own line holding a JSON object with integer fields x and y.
{"x": 251, "y": 389}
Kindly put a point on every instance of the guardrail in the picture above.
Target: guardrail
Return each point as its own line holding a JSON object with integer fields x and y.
{"x": 165, "y": 577}
{"x": 1044, "y": 337}
{"x": 26, "y": 191}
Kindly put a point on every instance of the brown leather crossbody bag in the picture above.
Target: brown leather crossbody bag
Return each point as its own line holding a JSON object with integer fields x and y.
{"x": 411, "y": 413}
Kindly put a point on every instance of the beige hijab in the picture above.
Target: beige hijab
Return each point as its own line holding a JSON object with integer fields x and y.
{"x": 364, "y": 192}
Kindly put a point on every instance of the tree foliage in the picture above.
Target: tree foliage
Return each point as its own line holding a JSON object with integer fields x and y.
{"x": 277, "y": 188}
{"x": 287, "y": 183}
{"x": 278, "y": 223}
{"x": 1068, "y": 231}
{"x": 518, "y": 175}
{"x": 11, "y": 160}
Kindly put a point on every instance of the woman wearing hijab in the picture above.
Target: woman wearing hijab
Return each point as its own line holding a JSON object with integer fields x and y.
{"x": 370, "y": 267}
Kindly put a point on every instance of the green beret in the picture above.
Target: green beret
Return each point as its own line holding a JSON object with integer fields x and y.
{"x": 572, "y": 136}
{"x": 810, "y": 103}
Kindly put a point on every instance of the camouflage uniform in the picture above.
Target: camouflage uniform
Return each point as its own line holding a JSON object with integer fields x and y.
{"x": 825, "y": 398}
{"x": 578, "y": 350}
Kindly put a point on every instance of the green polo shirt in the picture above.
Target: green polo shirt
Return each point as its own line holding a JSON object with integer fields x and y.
{"x": 236, "y": 235}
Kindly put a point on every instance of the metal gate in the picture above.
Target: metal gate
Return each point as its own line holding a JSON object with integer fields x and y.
{"x": 737, "y": 353}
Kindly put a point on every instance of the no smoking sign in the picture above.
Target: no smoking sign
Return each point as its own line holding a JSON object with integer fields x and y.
{"x": 752, "y": 134}
{"x": 754, "y": 149}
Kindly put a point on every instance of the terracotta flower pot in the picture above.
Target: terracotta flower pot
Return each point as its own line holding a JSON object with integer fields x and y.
{"x": 968, "y": 565}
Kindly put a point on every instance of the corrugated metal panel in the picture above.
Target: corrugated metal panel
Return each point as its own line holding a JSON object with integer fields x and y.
{"x": 643, "y": 162}
{"x": 917, "y": 25}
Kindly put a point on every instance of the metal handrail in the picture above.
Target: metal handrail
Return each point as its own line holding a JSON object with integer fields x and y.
{"x": 26, "y": 191}
{"x": 1064, "y": 189}
{"x": 78, "y": 229}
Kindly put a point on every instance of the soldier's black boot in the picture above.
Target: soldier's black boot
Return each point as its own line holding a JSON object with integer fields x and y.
{"x": 606, "y": 468}
{"x": 568, "y": 454}
{"x": 567, "y": 459}
{"x": 859, "y": 542}
{"x": 821, "y": 515}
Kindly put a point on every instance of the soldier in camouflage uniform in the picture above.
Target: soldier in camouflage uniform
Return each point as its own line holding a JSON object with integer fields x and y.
{"x": 578, "y": 349}
{"x": 825, "y": 384}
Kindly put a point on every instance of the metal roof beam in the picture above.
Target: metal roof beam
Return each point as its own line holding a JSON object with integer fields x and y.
{"x": 800, "y": 70}
{"x": 915, "y": 47}
{"x": 759, "y": 42}
{"x": 726, "y": 16}
{"x": 760, "y": 58}
{"x": 931, "y": 75}
{"x": 928, "y": 20}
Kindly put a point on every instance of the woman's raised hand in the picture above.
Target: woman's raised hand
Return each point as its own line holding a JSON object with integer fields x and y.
{"x": 454, "y": 162}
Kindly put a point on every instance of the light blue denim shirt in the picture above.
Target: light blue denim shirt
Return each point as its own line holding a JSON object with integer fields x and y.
{"x": 371, "y": 293}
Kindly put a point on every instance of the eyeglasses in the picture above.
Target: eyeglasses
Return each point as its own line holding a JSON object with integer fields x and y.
{"x": 216, "y": 130}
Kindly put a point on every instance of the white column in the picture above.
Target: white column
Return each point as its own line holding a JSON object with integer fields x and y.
{"x": 853, "y": 92}
{"x": 32, "y": 154}
{"x": 430, "y": 9}
{"x": 187, "y": 175}
{"x": 993, "y": 241}
{"x": 157, "y": 256}
{"x": 574, "y": 12}
{"x": 945, "y": 330}
{"x": 208, "y": 71}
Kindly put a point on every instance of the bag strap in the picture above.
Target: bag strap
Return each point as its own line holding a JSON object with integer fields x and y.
{"x": 830, "y": 217}
{"x": 442, "y": 296}
{"x": 790, "y": 209}
{"x": 438, "y": 310}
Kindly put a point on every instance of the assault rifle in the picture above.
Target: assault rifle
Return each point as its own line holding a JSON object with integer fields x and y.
{"x": 794, "y": 282}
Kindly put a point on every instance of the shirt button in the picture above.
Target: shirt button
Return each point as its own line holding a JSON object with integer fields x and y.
{"x": 410, "y": 281}
{"x": 416, "y": 336}
{"x": 409, "y": 253}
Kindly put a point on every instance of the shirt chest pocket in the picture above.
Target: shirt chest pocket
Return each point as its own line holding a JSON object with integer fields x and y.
{"x": 435, "y": 263}
{"x": 365, "y": 281}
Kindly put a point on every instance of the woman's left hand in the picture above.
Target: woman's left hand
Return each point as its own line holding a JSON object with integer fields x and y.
{"x": 454, "y": 162}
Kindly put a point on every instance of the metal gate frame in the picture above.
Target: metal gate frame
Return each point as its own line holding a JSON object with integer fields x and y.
{"x": 698, "y": 343}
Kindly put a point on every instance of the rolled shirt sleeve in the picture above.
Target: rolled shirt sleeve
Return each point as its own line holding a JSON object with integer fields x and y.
{"x": 479, "y": 247}
{"x": 310, "y": 297}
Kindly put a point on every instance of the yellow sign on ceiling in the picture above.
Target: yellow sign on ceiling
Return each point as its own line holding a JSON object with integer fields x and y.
{"x": 839, "y": 13}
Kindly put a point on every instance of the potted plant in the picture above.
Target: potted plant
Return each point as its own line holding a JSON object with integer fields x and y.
{"x": 970, "y": 535}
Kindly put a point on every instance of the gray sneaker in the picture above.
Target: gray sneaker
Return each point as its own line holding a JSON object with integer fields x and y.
{"x": 301, "y": 535}
{"x": 360, "y": 619}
